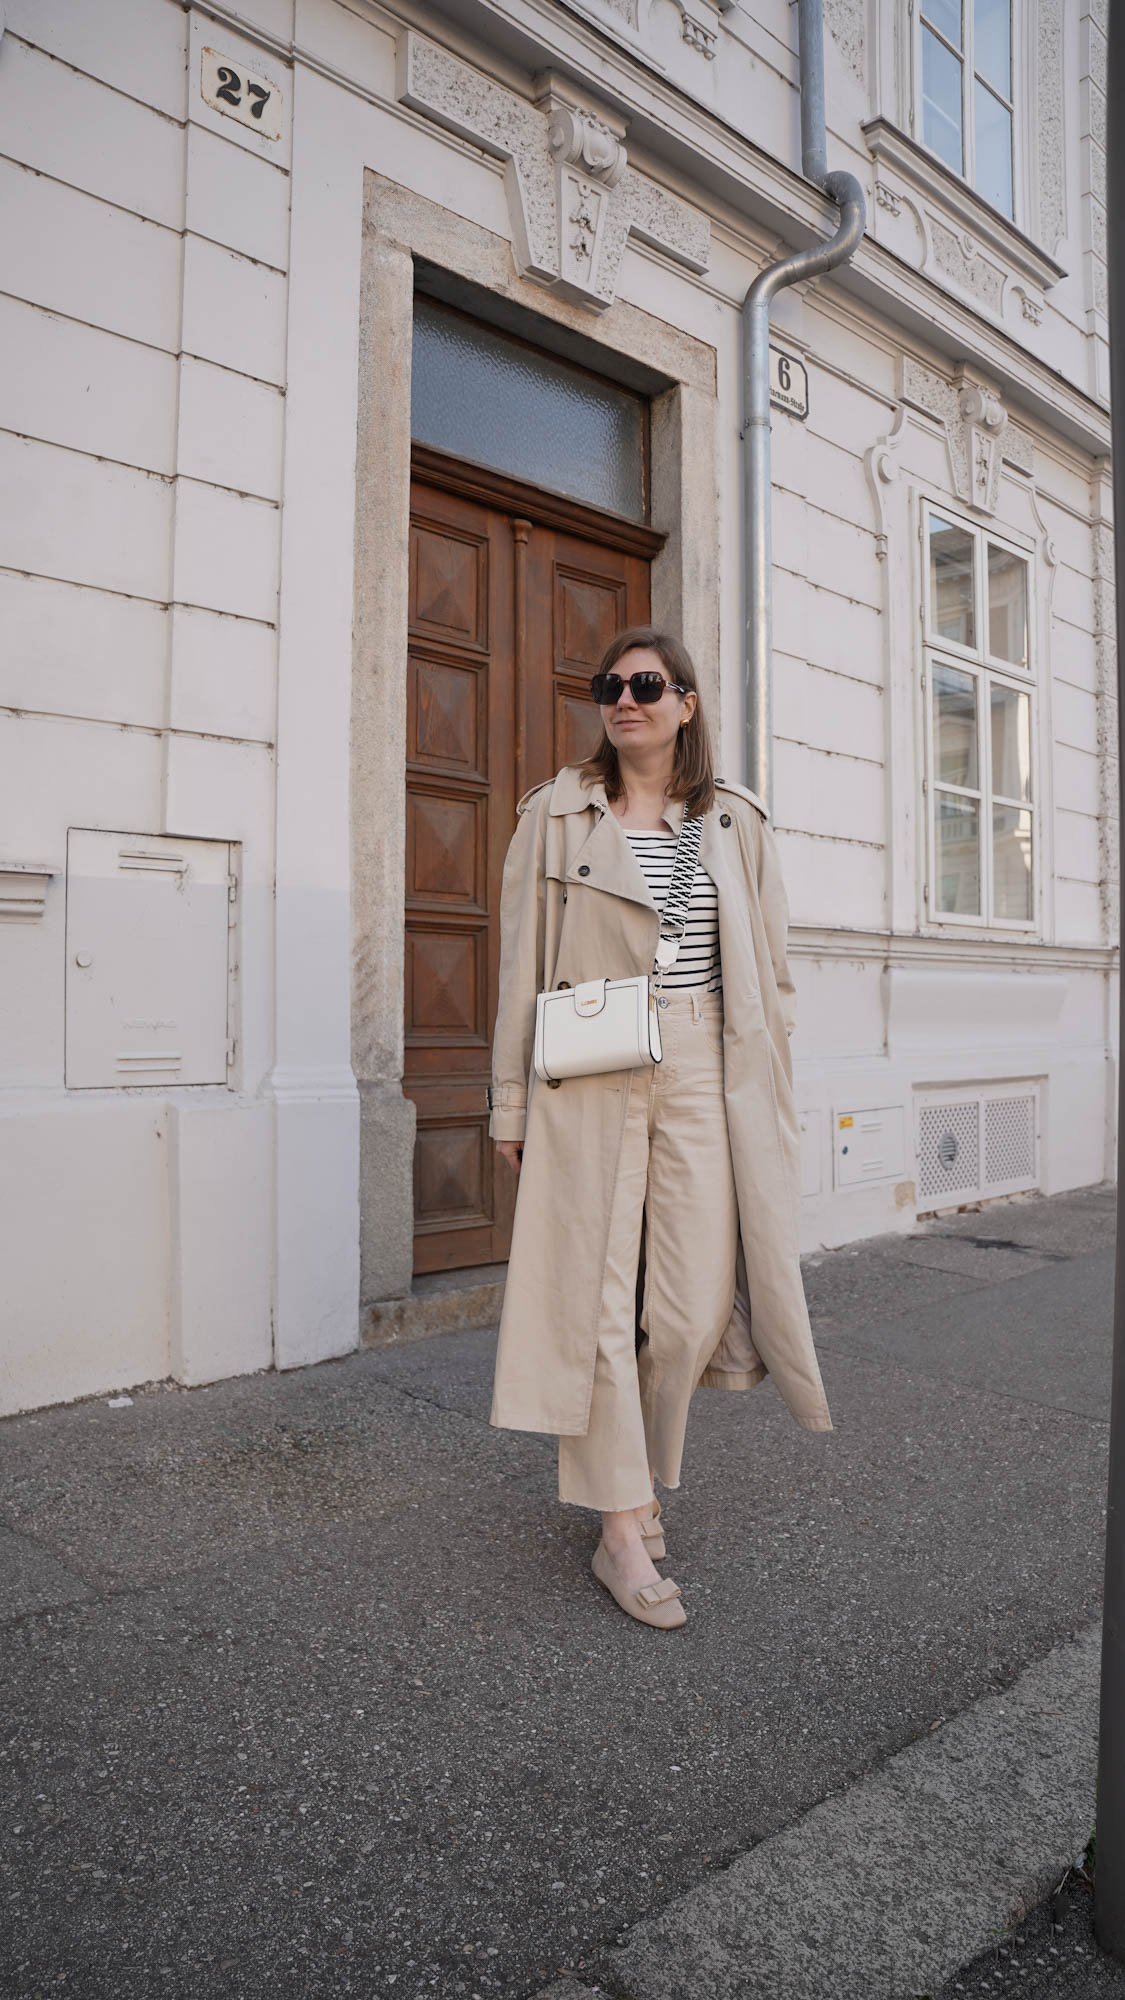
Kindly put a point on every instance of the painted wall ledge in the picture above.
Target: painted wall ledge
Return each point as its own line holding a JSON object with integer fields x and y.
{"x": 991, "y": 949}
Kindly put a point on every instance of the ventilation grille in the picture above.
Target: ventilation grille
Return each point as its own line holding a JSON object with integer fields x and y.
{"x": 948, "y": 1148}
{"x": 1009, "y": 1139}
{"x": 971, "y": 1144}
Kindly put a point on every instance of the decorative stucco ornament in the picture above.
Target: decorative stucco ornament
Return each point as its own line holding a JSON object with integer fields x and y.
{"x": 572, "y": 196}
{"x": 590, "y": 162}
{"x": 977, "y": 431}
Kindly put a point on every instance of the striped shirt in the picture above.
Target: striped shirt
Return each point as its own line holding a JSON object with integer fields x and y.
{"x": 698, "y": 963}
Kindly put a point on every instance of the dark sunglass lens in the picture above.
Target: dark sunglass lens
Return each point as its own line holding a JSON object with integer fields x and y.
{"x": 647, "y": 687}
{"x": 606, "y": 688}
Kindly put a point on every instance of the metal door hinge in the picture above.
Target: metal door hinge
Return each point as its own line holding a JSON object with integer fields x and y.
{"x": 232, "y": 1049}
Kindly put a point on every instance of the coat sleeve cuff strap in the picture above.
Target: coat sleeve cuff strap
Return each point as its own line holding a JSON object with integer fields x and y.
{"x": 507, "y": 1106}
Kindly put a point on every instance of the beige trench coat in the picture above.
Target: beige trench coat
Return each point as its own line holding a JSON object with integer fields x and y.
{"x": 575, "y": 906}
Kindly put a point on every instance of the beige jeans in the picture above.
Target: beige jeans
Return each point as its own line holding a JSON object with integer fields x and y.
{"x": 675, "y": 1175}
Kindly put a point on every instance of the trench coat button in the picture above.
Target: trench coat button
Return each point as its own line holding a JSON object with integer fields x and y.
{"x": 724, "y": 819}
{"x": 583, "y": 870}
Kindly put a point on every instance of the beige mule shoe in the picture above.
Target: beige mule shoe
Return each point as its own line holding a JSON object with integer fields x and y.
{"x": 653, "y": 1604}
{"x": 652, "y": 1528}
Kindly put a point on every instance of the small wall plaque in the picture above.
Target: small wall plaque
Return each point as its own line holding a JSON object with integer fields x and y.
{"x": 253, "y": 100}
{"x": 789, "y": 383}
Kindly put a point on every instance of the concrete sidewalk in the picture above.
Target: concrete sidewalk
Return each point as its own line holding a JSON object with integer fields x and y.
{"x": 896, "y": 1882}
{"x": 308, "y": 1689}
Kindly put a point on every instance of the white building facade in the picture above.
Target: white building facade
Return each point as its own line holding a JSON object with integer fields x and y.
{"x": 365, "y": 367}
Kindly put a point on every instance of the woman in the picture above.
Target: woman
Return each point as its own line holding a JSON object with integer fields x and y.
{"x": 701, "y": 1150}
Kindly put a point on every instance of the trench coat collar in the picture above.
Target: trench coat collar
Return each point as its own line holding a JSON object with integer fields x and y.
{"x": 605, "y": 854}
{"x": 569, "y": 794}
{"x": 713, "y": 846}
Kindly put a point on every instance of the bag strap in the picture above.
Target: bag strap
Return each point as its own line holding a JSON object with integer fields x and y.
{"x": 674, "y": 916}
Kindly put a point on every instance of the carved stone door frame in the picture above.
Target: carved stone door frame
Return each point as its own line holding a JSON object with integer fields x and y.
{"x": 399, "y": 227}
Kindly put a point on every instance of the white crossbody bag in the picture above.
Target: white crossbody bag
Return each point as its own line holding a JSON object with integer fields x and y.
{"x": 606, "y": 1024}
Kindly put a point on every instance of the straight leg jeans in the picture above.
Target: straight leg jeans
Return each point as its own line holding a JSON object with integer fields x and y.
{"x": 675, "y": 1177}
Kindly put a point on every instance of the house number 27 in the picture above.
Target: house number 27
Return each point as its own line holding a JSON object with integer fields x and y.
{"x": 254, "y": 100}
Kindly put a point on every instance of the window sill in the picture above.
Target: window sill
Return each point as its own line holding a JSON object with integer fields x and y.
{"x": 984, "y": 929}
{"x": 958, "y": 206}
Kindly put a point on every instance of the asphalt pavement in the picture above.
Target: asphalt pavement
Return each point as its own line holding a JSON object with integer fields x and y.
{"x": 308, "y": 1690}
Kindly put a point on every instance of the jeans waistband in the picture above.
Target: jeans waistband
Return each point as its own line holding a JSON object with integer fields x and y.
{"x": 693, "y": 999}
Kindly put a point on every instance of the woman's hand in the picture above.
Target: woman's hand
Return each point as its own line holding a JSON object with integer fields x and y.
{"x": 512, "y": 1151}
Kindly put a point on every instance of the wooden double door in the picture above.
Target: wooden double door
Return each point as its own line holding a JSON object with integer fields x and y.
{"x": 514, "y": 595}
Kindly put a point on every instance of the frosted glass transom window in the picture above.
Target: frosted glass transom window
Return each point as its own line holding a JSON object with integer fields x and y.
{"x": 483, "y": 395}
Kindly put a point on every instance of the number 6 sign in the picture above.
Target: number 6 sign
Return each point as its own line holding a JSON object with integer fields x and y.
{"x": 253, "y": 100}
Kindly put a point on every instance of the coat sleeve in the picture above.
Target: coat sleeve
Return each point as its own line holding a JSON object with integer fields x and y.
{"x": 775, "y": 914}
{"x": 522, "y": 926}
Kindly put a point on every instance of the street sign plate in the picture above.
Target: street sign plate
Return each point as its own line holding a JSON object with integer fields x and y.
{"x": 789, "y": 383}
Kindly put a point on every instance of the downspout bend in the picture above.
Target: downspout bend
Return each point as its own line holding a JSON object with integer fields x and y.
{"x": 845, "y": 190}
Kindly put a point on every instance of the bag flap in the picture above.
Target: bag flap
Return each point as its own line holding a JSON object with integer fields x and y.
{"x": 589, "y": 996}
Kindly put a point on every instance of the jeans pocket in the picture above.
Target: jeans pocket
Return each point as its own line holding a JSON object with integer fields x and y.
{"x": 713, "y": 1030}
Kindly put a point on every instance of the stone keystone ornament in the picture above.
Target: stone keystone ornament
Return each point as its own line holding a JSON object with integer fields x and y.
{"x": 978, "y": 432}
{"x": 572, "y": 196}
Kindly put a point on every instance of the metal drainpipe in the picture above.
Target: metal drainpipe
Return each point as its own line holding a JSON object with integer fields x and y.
{"x": 846, "y": 191}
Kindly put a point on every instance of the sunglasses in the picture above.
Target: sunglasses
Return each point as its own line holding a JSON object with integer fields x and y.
{"x": 606, "y": 688}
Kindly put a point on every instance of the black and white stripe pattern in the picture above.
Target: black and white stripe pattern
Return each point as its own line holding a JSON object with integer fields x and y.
{"x": 698, "y": 963}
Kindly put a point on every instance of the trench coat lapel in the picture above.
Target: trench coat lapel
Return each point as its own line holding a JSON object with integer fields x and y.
{"x": 605, "y": 854}
{"x": 719, "y": 855}
{"x": 611, "y": 863}
{"x": 713, "y": 848}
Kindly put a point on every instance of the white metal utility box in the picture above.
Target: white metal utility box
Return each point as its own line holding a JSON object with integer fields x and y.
{"x": 870, "y": 1146}
{"x": 148, "y": 959}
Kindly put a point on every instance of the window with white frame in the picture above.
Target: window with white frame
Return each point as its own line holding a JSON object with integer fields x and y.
{"x": 979, "y": 694}
{"x": 964, "y": 91}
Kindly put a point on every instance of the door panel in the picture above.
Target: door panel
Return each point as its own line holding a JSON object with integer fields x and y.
{"x": 509, "y": 616}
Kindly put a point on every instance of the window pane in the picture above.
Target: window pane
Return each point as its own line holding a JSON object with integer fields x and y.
{"x": 993, "y": 140}
{"x": 946, "y": 15}
{"x": 992, "y": 43}
{"x": 1007, "y": 606}
{"x": 1011, "y": 743}
{"x": 955, "y": 727}
{"x": 1011, "y": 862}
{"x": 941, "y": 101}
{"x": 483, "y": 396}
{"x": 957, "y": 856}
{"x": 951, "y": 582}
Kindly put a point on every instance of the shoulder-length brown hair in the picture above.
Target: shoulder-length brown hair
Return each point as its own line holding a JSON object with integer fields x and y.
{"x": 693, "y": 776}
